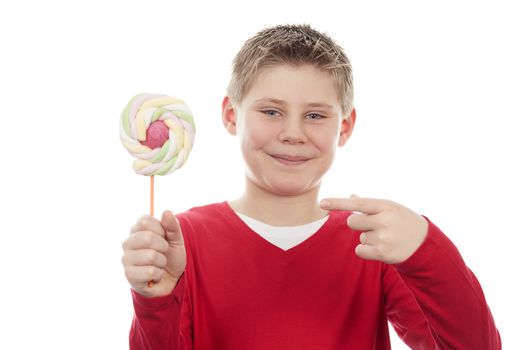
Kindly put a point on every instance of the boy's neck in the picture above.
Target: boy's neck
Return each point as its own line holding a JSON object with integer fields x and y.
{"x": 278, "y": 210}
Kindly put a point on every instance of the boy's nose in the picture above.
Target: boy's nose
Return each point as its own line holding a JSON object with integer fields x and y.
{"x": 292, "y": 132}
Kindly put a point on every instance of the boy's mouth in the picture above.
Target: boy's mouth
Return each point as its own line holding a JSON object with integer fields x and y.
{"x": 289, "y": 159}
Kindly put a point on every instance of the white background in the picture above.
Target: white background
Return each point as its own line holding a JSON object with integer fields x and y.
{"x": 440, "y": 128}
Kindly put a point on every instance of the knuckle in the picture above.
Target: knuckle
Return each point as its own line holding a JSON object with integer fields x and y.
{"x": 354, "y": 220}
{"x": 381, "y": 251}
{"x": 358, "y": 203}
{"x": 147, "y": 238}
{"x": 385, "y": 219}
{"x": 144, "y": 221}
{"x": 396, "y": 210}
{"x": 390, "y": 204}
{"x": 388, "y": 239}
{"x": 151, "y": 271}
{"x": 150, "y": 257}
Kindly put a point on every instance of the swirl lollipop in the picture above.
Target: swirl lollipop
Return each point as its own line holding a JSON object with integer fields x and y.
{"x": 159, "y": 131}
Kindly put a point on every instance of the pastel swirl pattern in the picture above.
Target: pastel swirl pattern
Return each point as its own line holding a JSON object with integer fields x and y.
{"x": 147, "y": 116}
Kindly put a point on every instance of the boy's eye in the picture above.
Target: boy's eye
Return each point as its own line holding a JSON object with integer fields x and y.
{"x": 314, "y": 116}
{"x": 271, "y": 112}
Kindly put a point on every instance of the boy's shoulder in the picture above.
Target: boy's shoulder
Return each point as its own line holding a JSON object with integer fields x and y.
{"x": 206, "y": 213}
{"x": 205, "y": 221}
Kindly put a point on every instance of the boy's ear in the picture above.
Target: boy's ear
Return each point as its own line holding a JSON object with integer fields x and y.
{"x": 347, "y": 126}
{"x": 229, "y": 119}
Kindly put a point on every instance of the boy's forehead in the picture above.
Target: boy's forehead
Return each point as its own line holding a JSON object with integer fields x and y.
{"x": 285, "y": 84}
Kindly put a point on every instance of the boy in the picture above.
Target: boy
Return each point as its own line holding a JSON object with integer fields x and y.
{"x": 275, "y": 268}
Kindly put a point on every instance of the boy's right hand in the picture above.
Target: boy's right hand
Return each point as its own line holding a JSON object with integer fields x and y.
{"x": 154, "y": 251}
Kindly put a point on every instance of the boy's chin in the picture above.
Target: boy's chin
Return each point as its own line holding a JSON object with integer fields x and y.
{"x": 292, "y": 189}
{"x": 283, "y": 186}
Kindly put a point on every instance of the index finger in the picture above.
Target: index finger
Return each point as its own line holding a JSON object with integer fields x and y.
{"x": 354, "y": 203}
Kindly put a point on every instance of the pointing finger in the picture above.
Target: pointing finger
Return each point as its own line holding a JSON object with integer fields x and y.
{"x": 354, "y": 203}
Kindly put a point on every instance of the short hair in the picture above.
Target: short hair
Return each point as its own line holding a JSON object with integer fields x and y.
{"x": 295, "y": 45}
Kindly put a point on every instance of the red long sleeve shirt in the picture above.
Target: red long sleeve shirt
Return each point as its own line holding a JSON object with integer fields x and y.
{"x": 239, "y": 291}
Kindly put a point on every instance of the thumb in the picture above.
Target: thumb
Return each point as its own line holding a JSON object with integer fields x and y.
{"x": 172, "y": 227}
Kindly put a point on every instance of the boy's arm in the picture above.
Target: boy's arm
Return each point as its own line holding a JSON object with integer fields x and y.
{"x": 158, "y": 322}
{"x": 155, "y": 252}
{"x": 445, "y": 290}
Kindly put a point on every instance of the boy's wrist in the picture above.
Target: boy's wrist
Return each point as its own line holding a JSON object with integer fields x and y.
{"x": 421, "y": 257}
{"x": 159, "y": 302}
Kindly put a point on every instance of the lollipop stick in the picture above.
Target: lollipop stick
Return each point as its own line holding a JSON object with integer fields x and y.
{"x": 151, "y": 211}
{"x": 151, "y": 194}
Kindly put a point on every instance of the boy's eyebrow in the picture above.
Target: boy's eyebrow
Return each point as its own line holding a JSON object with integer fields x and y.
{"x": 282, "y": 102}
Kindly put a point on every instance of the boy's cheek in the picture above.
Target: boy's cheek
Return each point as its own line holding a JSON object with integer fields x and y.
{"x": 257, "y": 135}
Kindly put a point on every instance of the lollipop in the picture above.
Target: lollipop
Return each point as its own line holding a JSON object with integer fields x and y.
{"x": 159, "y": 131}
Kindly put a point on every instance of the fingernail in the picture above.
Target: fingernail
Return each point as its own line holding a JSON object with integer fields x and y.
{"x": 324, "y": 203}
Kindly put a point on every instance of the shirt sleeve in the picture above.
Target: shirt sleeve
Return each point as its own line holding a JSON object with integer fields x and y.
{"x": 158, "y": 322}
{"x": 449, "y": 296}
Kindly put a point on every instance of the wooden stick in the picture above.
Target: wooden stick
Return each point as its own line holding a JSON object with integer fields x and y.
{"x": 151, "y": 208}
{"x": 151, "y": 195}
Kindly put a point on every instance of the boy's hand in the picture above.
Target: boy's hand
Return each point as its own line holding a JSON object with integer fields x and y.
{"x": 390, "y": 232}
{"x": 154, "y": 251}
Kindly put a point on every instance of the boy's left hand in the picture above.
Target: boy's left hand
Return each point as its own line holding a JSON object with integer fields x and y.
{"x": 391, "y": 233}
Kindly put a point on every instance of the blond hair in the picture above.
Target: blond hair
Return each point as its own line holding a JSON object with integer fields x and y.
{"x": 295, "y": 45}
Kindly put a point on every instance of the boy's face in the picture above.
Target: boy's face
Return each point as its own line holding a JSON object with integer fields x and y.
{"x": 289, "y": 124}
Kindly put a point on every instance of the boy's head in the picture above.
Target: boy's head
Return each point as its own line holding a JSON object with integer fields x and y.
{"x": 290, "y": 104}
{"x": 293, "y": 45}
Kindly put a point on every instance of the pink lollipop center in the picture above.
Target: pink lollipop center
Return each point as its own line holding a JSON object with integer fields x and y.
{"x": 156, "y": 135}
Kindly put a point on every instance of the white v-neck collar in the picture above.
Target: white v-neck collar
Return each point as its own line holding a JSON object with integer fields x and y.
{"x": 284, "y": 237}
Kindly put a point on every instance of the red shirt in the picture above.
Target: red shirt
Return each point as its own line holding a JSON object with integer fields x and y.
{"x": 239, "y": 291}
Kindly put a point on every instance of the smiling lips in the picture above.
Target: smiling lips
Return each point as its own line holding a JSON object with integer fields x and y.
{"x": 289, "y": 160}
